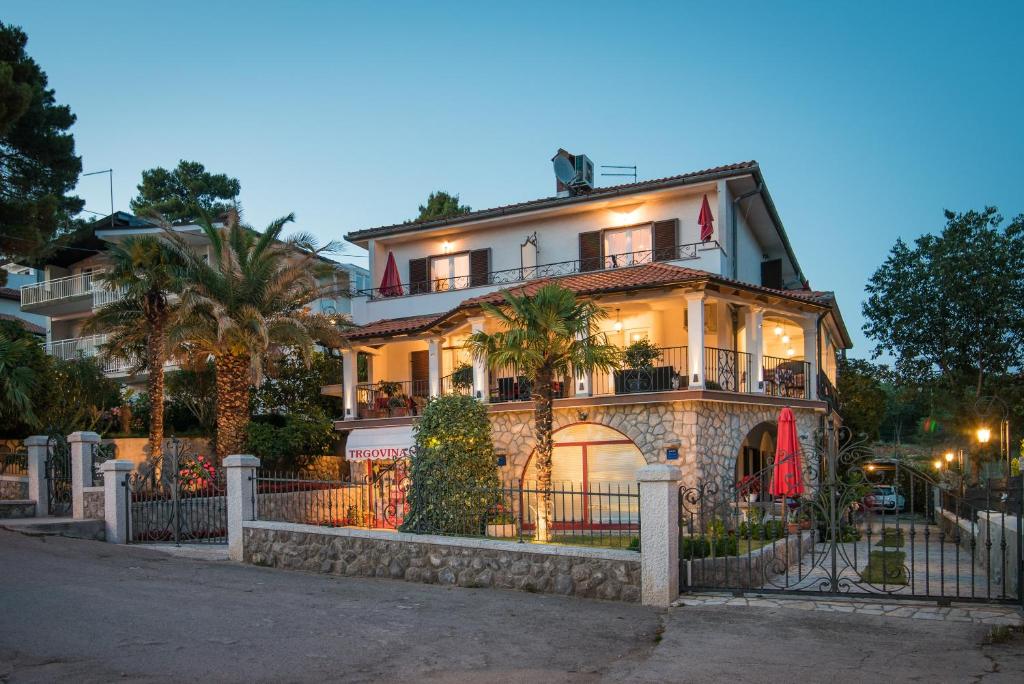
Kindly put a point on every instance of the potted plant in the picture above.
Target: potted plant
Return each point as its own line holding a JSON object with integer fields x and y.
{"x": 639, "y": 376}
{"x": 749, "y": 488}
{"x": 462, "y": 377}
{"x": 501, "y": 523}
{"x": 398, "y": 405}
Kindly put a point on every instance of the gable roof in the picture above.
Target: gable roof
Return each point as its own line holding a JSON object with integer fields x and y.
{"x": 641, "y": 277}
{"x": 27, "y": 325}
{"x": 703, "y": 176}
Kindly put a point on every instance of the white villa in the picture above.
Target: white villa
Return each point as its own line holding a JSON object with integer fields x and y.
{"x": 699, "y": 264}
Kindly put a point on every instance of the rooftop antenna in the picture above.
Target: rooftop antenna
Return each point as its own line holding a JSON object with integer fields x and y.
{"x": 627, "y": 171}
{"x": 109, "y": 172}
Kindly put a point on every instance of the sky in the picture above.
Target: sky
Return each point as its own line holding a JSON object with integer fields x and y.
{"x": 867, "y": 119}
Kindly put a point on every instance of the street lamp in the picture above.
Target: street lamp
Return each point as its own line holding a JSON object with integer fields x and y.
{"x": 984, "y": 435}
{"x": 987, "y": 408}
{"x": 950, "y": 456}
{"x": 937, "y": 464}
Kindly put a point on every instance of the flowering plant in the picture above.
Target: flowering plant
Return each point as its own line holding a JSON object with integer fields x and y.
{"x": 749, "y": 485}
{"x": 197, "y": 473}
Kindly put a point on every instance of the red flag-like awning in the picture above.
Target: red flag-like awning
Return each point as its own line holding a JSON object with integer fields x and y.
{"x": 706, "y": 221}
{"x": 787, "y": 473}
{"x": 391, "y": 283}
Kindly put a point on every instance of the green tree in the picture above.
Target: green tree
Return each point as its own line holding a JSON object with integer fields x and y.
{"x": 441, "y": 205}
{"x": 85, "y": 398}
{"x": 185, "y": 194}
{"x": 191, "y": 398}
{"x": 454, "y": 474}
{"x": 863, "y": 397}
{"x": 243, "y": 306}
{"x": 954, "y": 302}
{"x": 290, "y": 442}
{"x": 293, "y": 385}
{"x": 147, "y": 272}
{"x": 547, "y": 335}
{"x": 38, "y": 165}
{"x": 19, "y": 376}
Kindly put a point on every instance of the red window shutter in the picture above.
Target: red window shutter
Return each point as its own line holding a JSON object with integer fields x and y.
{"x": 479, "y": 267}
{"x": 665, "y": 240}
{"x": 419, "y": 281}
{"x": 590, "y": 251}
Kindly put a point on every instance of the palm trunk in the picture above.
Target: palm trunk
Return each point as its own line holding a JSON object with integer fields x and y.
{"x": 232, "y": 403}
{"x": 155, "y": 385}
{"x": 543, "y": 425}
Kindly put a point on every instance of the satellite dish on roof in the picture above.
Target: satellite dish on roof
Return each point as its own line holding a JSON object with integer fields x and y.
{"x": 565, "y": 170}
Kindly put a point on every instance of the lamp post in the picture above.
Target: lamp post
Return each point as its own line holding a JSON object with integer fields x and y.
{"x": 986, "y": 408}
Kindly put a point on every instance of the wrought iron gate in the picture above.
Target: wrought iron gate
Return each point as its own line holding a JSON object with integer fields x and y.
{"x": 181, "y": 498}
{"x": 864, "y": 525}
{"x": 58, "y": 475}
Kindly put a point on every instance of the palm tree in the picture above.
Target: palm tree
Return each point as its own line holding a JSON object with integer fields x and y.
{"x": 246, "y": 304}
{"x": 550, "y": 334}
{"x": 146, "y": 272}
{"x": 18, "y": 380}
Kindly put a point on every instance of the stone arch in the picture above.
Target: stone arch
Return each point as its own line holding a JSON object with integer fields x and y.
{"x": 756, "y": 450}
{"x": 595, "y": 444}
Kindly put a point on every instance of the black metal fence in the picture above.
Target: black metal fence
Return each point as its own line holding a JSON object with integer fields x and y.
{"x": 391, "y": 399}
{"x": 58, "y": 475}
{"x": 787, "y": 378}
{"x": 727, "y": 370}
{"x": 668, "y": 372}
{"x": 99, "y": 454}
{"x": 597, "y": 514}
{"x": 14, "y": 463}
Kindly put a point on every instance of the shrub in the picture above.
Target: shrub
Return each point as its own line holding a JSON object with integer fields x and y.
{"x": 703, "y": 546}
{"x": 454, "y": 476}
{"x": 289, "y": 442}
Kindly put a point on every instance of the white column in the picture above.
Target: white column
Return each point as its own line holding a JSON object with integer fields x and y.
{"x": 434, "y": 364}
{"x": 115, "y": 500}
{"x": 481, "y": 381}
{"x": 754, "y": 336}
{"x": 695, "y": 338}
{"x": 659, "y": 534}
{"x": 810, "y": 327}
{"x": 241, "y": 477}
{"x": 35, "y": 446}
{"x": 349, "y": 374}
{"x": 82, "y": 444}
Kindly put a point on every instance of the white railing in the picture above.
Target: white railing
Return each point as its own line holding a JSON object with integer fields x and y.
{"x": 79, "y": 285}
{"x": 85, "y": 348}
{"x": 103, "y": 294}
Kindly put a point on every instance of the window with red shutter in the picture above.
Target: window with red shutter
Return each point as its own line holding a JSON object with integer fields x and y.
{"x": 665, "y": 239}
{"x": 590, "y": 251}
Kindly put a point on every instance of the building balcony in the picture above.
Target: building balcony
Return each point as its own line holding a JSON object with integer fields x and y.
{"x": 88, "y": 347}
{"x": 80, "y": 293}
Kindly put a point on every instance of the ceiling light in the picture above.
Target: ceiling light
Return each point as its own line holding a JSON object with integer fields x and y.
{"x": 778, "y": 330}
{"x": 785, "y": 339}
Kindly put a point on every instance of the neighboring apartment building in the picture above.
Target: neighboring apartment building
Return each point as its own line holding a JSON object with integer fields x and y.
{"x": 67, "y": 291}
{"x": 698, "y": 263}
{"x": 10, "y": 300}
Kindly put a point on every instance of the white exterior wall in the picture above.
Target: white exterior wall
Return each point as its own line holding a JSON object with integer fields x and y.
{"x": 557, "y": 238}
{"x": 749, "y": 252}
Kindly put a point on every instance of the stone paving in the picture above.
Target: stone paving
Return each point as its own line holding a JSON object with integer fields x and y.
{"x": 987, "y": 614}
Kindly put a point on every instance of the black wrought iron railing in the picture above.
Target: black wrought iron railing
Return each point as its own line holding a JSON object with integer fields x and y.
{"x": 666, "y": 373}
{"x": 727, "y": 370}
{"x": 392, "y": 398}
{"x": 99, "y": 454}
{"x": 787, "y": 378}
{"x": 14, "y": 463}
{"x": 458, "y": 382}
{"x": 561, "y": 268}
{"x": 510, "y": 384}
{"x": 827, "y": 392}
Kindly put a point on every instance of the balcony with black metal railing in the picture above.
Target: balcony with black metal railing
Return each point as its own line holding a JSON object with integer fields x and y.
{"x": 511, "y": 276}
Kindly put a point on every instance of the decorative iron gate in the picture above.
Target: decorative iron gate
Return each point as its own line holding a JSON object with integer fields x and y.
{"x": 864, "y": 525}
{"x": 58, "y": 475}
{"x": 181, "y": 498}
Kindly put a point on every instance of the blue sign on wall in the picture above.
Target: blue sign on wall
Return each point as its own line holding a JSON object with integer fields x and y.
{"x": 501, "y": 459}
{"x": 672, "y": 454}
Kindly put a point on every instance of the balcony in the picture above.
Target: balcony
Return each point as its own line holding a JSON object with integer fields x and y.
{"x": 512, "y": 276}
{"x": 79, "y": 293}
{"x": 77, "y": 348}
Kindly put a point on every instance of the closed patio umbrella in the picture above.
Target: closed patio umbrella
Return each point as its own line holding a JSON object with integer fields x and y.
{"x": 787, "y": 474}
{"x": 391, "y": 283}
{"x": 706, "y": 221}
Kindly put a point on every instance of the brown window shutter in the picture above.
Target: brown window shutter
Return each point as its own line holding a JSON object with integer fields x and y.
{"x": 479, "y": 267}
{"x": 420, "y": 362}
{"x": 665, "y": 240}
{"x": 771, "y": 273}
{"x": 419, "y": 281}
{"x": 590, "y": 251}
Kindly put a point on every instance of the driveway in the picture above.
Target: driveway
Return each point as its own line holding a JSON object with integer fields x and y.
{"x": 87, "y": 611}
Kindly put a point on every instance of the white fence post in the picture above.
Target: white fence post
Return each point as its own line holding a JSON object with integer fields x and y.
{"x": 115, "y": 500}
{"x": 37, "y": 486}
{"x": 241, "y": 477}
{"x": 82, "y": 444}
{"x": 659, "y": 534}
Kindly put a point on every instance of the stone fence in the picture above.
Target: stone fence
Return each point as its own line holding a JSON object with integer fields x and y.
{"x": 13, "y": 487}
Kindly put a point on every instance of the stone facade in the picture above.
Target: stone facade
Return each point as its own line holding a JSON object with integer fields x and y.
{"x": 94, "y": 503}
{"x": 17, "y": 509}
{"x": 13, "y": 487}
{"x": 587, "y": 573}
{"x": 708, "y": 434}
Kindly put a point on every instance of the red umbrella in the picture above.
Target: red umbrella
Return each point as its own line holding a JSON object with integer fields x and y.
{"x": 706, "y": 221}
{"x": 391, "y": 283}
{"x": 787, "y": 477}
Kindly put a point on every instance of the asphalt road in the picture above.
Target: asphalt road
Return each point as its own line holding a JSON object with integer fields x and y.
{"x": 86, "y": 611}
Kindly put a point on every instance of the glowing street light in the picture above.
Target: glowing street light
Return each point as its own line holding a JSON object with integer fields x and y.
{"x": 984, "y": 435}
{"x": 950, "y": 456}
{"x": 937, "y": 464}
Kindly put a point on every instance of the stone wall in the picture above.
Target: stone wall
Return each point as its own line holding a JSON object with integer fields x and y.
{"x": 584, "y": 572}
{"x": 756, "y": 570}
{"x": 707, "y": 433}
{"x": 94, "y": 499}
{"x": 13, "y": 487}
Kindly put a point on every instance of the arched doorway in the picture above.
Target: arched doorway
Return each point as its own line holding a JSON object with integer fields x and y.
{"x": 592, "y": 466}
{"x": 756, "y": 453}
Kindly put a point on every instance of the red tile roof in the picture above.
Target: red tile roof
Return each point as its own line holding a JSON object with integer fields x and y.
{"x": 545, "y": 202}
{"x": 31, "y": 327}
{"x": 641, "y": 277}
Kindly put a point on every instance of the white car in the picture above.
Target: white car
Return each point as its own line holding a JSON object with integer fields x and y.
{"x": 885, "y": 498}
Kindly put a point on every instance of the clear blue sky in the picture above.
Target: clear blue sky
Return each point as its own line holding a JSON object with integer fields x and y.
{"x": 867, "y": 121}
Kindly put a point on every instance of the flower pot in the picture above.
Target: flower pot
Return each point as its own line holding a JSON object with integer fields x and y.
{"x": 501, "y": 530}
{"x": 793, "y": 528}
{"x": 805, "y": 524}
{"x": 752, "y": 497}
{"x": 399, "y": 412}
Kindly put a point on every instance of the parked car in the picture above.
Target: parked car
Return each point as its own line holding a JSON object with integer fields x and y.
{"x": 885, "y": 498}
